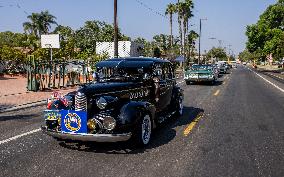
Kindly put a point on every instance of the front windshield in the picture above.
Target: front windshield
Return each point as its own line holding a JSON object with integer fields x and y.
{"x": 201, "y": 67}
{"x": 106, "y": 74}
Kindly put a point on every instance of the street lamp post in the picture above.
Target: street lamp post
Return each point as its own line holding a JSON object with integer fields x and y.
{"x": 115, "y": 31}
{"x": 212, "y": 38}
{"x": 200, "y": 25}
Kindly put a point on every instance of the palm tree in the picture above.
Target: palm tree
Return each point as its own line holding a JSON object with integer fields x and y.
{"x": 40, "y": 23}
{"x": 179, "y": 11}
{"x": 190, "y": 6}
{"x": 46, "y": 20}
{"x": 171, "y": 9}
{"x": 32, "y": 27}
{"x": 186, "y": 9}
{"x": 192, "y": 36}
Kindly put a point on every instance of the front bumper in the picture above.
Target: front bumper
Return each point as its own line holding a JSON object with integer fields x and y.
{"x": 87, "y": 137}
{"x": 199, "y": 79}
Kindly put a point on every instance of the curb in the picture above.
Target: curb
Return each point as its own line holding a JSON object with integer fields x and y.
{"x": 13, "y": 94}
{"x": 23, "y": 106}
{"x": 270, "y": 75}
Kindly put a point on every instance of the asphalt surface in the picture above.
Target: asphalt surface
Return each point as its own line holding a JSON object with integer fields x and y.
{"x": 233, "y": 128}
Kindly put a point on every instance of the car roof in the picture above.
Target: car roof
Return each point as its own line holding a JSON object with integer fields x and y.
{"x": 130, "y": 62}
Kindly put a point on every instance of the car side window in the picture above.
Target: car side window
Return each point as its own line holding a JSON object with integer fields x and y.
{"x": 167, "y": 71}
{"x": 158, "y": 72}
{"x": 171, "y": 72}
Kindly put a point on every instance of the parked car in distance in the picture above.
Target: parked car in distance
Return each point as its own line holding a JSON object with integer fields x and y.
{"x": 222, "y": 67}
{"x": 234, "y": 64}
{"x": 129, "y": 99}
{"x": 200, "y": 73}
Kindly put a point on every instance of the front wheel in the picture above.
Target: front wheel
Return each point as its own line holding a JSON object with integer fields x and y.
{"x": 144, "y": 130}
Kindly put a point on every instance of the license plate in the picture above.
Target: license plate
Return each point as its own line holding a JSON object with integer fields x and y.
{"x": 73, "y": 121}
{"x": 52, "y": 115}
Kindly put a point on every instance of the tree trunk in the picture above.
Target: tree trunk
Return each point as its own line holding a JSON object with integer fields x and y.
{"x": 180, "y": 34}
{"x": 184, "y": 37}
{"x": 171, "y": 28}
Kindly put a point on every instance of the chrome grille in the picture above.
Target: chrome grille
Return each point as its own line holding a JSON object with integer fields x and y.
{"x": 80, "y": 102}
{"x": 103, "y": 114}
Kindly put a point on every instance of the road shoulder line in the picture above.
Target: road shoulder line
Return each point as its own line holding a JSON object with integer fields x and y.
{"x": 282, "y": 90}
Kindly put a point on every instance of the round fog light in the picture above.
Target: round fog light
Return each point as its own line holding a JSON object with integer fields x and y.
{"x": 109, "y": 123}
{"x": 91, "y": 124}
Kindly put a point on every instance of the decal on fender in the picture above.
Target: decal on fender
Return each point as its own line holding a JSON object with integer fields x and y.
{"x": 139, "y": 94}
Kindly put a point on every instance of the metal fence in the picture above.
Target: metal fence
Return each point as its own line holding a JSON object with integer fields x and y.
{"x": 42, "y": 75}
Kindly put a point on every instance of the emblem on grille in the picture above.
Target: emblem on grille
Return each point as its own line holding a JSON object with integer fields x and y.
{"x": 72, "y": 122}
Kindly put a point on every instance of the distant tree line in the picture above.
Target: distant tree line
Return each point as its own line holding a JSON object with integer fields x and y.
{"x": 185, "y": 42}
{"x": 81, "y": 43}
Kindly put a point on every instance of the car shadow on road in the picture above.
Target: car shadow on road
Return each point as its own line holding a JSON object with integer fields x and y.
{"x": 217, "y": 83}
{"x": 16, "y": 117}
{"x": 162, "y": 135}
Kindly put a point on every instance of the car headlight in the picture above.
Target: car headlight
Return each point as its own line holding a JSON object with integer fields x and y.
{"x": 109, "y": 123}
{"x": 101, "y": 103}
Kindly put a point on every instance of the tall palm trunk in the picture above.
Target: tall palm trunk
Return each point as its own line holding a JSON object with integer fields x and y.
{"x": 180, "y": 28}
{"x": 171, "y": 28}
{"x": 184, "y": 37}
{"x": 180, "y": 34}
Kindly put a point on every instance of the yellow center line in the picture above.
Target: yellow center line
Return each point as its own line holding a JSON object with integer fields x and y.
{"x": 188, "y": 129}
{"x": 224, "y": 82}
{"x": 217, "y": 93}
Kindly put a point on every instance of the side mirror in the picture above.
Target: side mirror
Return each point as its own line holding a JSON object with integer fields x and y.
{"x": 158, "y": 72}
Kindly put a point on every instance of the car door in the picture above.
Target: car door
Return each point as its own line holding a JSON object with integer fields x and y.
{"x": 166, "y": 87}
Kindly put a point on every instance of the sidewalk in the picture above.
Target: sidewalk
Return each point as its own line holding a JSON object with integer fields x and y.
{"x": 13, "y": 94}
{"x": 273, "y": 68}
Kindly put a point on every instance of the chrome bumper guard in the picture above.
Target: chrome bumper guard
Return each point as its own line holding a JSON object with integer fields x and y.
{"x": 88, "y": 137}
{"x": 199, "y": 79}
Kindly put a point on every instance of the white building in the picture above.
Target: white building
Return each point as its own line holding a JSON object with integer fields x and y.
{"x": 125, "y": 49}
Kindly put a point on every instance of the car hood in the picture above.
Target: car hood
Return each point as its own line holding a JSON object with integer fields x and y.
{"x": 109, "y": 87}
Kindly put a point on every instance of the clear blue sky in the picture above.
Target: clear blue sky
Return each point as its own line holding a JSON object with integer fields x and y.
{"x": 227, "y": 19}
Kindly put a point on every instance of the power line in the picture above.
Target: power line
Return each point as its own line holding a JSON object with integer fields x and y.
{"x": 16, "y": 6}
{"x": 152, "y": 10}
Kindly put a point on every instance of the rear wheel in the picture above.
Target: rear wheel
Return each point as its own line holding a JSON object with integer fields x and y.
{"x": 213, "y": 82}
{"x": 143, "y": 132}
{"x": 187, "y": 82}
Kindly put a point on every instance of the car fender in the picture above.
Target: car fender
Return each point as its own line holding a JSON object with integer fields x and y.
{"x": 132, "y": 112}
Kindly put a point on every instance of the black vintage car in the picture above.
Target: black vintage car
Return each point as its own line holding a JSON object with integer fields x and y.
{"x": 130, "y": 97}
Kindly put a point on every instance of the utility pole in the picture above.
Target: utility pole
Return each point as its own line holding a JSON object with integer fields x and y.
{"x": 199, "y": 42}
{"x": 220, "y": 43}
{"x": 115, "y": 31}
{"x": 200, "y": 25}
{"x": 229, "y": 52}
{"x": 212, "y": 38}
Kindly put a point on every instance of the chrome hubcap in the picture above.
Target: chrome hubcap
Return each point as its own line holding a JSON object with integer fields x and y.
{"x": 146, "y": 129}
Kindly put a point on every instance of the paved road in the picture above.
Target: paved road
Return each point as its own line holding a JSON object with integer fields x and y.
{"x": 234, "y": 128}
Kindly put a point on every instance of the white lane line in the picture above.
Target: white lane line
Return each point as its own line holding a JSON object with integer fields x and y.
{"x": 19, "y": 136}
{"x": 282, "y": 90}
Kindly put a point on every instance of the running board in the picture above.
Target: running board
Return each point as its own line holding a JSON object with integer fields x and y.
{"x": 163, "y": 118}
